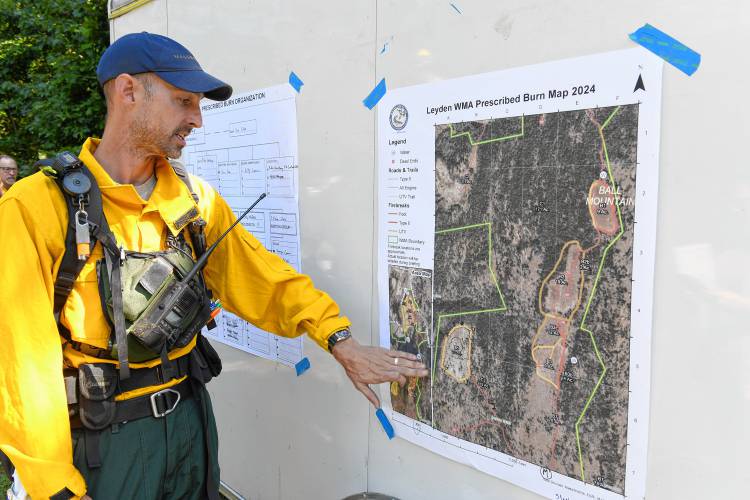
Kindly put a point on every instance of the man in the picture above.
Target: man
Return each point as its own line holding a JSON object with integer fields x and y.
{"x": 8, "y": 173}
{"x": 167, "y": 448}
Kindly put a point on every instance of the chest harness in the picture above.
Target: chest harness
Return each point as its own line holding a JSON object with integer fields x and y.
{"x": 154, "y": 302}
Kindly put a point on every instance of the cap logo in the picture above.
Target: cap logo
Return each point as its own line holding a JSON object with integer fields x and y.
{"x": 184, "y": 56}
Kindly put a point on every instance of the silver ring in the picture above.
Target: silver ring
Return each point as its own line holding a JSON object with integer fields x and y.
{"x": 395, "y": 361}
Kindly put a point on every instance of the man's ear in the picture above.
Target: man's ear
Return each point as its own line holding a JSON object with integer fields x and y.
{"x": 124, "y": 89}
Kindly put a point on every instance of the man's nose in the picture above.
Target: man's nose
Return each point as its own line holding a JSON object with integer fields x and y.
{"x": 196, "y": 118}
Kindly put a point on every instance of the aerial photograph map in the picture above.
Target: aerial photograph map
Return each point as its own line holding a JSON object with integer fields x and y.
{"x": 525, "y": 321}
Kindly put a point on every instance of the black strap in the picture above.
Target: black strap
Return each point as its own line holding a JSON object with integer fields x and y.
{"x": 212, "y": 482}
{"x": 121, "y": 335}
{"x": 91, "y": 440}
{"x": 70, "y": 265}
{"x": 63, "y": 494}
{"x": 196, "y": 229}
{"x": 179, "y": 169}
{"x": 166, "y": 363}
{"x": 140, "y": 407}
{"x": 149, "y": 377}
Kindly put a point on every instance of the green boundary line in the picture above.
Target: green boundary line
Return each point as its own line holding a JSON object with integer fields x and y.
{"x": 503, "y": 307}
{"x": 588, "y": 401}
{"x": 582, "y": 326}
{"x": 486, "y": 141}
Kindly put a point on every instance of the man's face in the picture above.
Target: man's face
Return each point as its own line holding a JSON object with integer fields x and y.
{"x": 8, "y": 172}
{"x": 165, "y": 117}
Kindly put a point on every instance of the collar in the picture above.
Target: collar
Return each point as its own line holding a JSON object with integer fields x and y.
{"x": 171, "y": 197}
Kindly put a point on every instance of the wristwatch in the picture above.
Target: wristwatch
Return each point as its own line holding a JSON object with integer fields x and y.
{"x": 337, "y": 337}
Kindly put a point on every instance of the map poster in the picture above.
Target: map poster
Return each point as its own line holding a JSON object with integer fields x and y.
{"x": 248, "y": 146}
{"x": 517, "y": 226}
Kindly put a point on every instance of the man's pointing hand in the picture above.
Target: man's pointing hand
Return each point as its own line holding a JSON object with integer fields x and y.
{"x": 366, "y": 365}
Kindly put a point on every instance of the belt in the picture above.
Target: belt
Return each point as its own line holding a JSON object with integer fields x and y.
{"x": 158, "y": 404}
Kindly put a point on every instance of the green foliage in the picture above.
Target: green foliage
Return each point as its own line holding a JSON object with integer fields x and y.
{"x": 4, "y": 482}
{"x": 49, "y": 96}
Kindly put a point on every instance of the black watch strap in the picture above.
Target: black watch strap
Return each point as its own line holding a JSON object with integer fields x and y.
{"x": 337, "y": 337}
{"x": 63, "y": 494}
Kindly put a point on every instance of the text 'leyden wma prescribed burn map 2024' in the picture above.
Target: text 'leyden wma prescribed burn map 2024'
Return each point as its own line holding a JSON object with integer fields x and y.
{"x": 517, "y": 228}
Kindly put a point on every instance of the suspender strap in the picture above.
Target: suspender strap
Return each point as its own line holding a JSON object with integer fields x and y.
{"x": 197, "y": 236}
{"x": 179, "y": 169}
{"x": 114, "y": 263}
{"x": 71, "y": 266}
{"x": 195, "y": 228}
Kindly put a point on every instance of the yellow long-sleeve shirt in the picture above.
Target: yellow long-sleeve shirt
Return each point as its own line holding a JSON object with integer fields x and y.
{"x": 250, "y": 281}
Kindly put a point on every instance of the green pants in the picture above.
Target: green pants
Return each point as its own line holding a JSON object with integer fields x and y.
{"x": 154, "y": 458}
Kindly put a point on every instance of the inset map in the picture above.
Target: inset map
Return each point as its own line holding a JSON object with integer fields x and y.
{"x": 532, "y": 289}
{"x": 410, "y": 317}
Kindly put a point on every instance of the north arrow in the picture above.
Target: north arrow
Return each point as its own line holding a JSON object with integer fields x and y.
{"x": 639, "y": 84}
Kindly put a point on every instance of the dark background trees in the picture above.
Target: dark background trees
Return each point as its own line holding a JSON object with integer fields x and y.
{"x": 49, "y": 96}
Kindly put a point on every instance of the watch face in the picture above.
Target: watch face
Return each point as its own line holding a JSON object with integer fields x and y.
{"x": 338, "y": 336}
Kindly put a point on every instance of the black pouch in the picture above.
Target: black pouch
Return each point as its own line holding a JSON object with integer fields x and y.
{"x": 97, "y": 384}
{"x": 205, "y": 363}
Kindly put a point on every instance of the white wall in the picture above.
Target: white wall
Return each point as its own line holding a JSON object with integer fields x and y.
{"x": 314, "y": 437}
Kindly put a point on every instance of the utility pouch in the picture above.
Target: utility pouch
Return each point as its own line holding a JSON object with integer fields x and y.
{"x": 205, "y": 363}
{"x": 97, "y": 384}
{"x": 160, "y": 310}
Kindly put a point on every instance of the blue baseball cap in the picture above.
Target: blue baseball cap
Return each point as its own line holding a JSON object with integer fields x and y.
{"x": 149, "y": 53}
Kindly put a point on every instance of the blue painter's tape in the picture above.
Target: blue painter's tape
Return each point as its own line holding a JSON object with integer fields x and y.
{"x": 675, "y": 53}
{"x": 387, "y": 427}
{"x": 377, "y": 93}
{"x": 302, "y": 366}
{"x": 456, "y": 8}
{"x": 295, "y": 82}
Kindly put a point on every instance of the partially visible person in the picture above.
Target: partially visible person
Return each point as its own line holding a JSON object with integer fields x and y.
{"x": 8, "y": 173}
